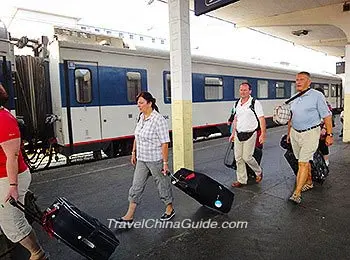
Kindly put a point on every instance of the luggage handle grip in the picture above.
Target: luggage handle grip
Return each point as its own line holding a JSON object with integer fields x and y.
{"x": 86, "y": 242}
{"x": 175, "y": 180}
{"x": 24, "y": 209}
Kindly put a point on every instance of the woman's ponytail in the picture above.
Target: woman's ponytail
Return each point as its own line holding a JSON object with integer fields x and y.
{"x": 149, "y": 98}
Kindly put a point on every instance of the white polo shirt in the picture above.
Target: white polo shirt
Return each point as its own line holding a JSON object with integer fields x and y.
{"x": 246, "y": 120}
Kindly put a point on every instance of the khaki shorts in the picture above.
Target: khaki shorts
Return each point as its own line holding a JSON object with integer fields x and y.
{"x": 12, "y": 221}
{"x": 305, "y": 144}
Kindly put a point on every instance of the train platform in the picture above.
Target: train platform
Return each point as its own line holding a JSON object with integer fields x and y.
{"x": 262, "y": 223}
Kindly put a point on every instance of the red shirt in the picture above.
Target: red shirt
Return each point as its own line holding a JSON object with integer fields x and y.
{"x": 9, "y": 130}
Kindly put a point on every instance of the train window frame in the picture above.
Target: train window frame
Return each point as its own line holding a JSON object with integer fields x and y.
{"x": 333, "y": 90}
{"x": 259, "y": 86}
{"x": 315, "y": 85}
{"x": 293, "y": 89}
{"x": 326, "y": 90}
{"x": 280, "y": 88}
{"x": 78, "y": 87}
{"x": 131, "y": 77}
{"x": 167, "y": 87}
{"x": 213, "y": 88}
{"x": 236, "y": 84}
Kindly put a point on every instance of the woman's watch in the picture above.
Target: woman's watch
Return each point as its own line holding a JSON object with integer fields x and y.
{"x": 331, "y": 135}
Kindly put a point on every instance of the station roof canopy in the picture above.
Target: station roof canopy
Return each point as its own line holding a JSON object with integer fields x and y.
{"x": 322, "y": 25}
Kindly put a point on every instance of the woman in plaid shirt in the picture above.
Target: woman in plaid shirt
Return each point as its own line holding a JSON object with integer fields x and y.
{"x": 150, "y": 157}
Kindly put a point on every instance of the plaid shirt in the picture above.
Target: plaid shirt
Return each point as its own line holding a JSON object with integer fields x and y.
{"x": 150, "y": 134}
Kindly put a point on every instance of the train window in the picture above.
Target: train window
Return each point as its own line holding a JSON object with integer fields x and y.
{"x": 263, "y": 87}
{"x": 279, "y": 89}
{"x": 133, "y": 85}
{"x": 83, "y": 89}
{"x": 333, "y": 90}
{"x": 326, "y": 90}
{"x": 167, "y": 87}
{"x": 237, "y": 83}
{"x": 292, "y": 89}
{"x": 315, "y": 85}
{"x": 213, "y": 88}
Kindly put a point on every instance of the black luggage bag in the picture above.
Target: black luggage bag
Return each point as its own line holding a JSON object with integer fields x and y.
{"x": 205, "y": 190}
{"x": 319, "y": 169}
{"x": 230, "y": 161}
{"x": 292, "y": 161}
{"x": 75, "y": 228}
{"x": 257, "y": 155}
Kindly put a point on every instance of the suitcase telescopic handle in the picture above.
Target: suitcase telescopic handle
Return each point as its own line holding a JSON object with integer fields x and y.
{"x": 86, "y": 242}
{"x": 26, "y": 210}
{"x": 172, "y": 177}
{"x": 175, "y": 180}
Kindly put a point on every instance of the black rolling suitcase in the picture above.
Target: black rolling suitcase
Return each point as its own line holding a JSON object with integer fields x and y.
{"x": 230, "y": 161}
{"x": 205, "y": 190}
{"x": 319, "y": 169}
{"x": 75, "y": 228}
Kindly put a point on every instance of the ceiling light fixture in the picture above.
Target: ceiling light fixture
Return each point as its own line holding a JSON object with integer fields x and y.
{"x": 300, "y": 32}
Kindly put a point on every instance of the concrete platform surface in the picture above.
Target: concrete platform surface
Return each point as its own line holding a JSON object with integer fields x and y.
{"x": 273, "y": 228}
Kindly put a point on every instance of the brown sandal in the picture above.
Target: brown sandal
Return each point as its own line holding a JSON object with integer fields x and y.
{"x": 295, "y": 198}
{"x": 307, "y": 187}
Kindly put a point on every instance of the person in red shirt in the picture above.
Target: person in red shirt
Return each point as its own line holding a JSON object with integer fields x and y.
{"x": 15, "y": 179}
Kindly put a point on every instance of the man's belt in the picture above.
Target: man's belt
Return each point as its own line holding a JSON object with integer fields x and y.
{"x": 307, "y": 129}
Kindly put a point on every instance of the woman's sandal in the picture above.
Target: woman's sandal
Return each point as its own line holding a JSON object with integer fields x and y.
{"x": 295, "y": 198}
{"x": 307, "y": 187}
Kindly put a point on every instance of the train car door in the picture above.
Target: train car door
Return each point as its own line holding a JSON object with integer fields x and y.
{"x": 83, "y": 104}
{"x": 339, "y": 96}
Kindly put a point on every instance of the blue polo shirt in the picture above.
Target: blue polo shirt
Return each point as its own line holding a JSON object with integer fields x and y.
{"x": 309, "y": 109}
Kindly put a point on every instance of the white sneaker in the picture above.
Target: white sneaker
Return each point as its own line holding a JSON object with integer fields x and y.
{"x": 327, "y": 163}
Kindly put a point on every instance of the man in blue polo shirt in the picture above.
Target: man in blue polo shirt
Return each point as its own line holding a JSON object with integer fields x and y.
{"x": 304, "y": 130}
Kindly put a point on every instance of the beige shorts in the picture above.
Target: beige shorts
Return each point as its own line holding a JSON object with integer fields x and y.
{"x": 12, "y": 221}
{"x": 305, "y": 144}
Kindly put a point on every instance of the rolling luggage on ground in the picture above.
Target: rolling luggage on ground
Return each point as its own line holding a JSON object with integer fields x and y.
{"x": 75, "y": 228}
{"x": 257, "y": 155}
{"x": 292, "y": 161}
{"x": 319, "y": 169}
{"x": 205, "y": 190}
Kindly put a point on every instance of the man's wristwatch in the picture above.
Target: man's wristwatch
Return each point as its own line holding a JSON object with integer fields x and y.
{"x": 331, "y": 135}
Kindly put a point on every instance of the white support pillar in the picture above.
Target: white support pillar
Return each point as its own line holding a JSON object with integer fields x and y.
{"x": 346, "y": 87}
{"x": 181, "y": 83}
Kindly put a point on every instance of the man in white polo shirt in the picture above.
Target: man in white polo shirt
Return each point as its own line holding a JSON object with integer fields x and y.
{"x": 304, "y": 130}
{"x": 247, "y": 121}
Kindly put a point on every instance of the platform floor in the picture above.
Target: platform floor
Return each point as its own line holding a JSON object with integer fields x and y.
{"x": 276, "y": 229}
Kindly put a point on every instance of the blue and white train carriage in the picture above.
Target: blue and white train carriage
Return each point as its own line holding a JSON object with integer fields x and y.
{"x": 93, "y": 90}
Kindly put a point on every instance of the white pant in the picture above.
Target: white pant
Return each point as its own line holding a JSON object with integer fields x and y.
{"x": 244, "y": 155}
{"x": 12, "y": 221}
